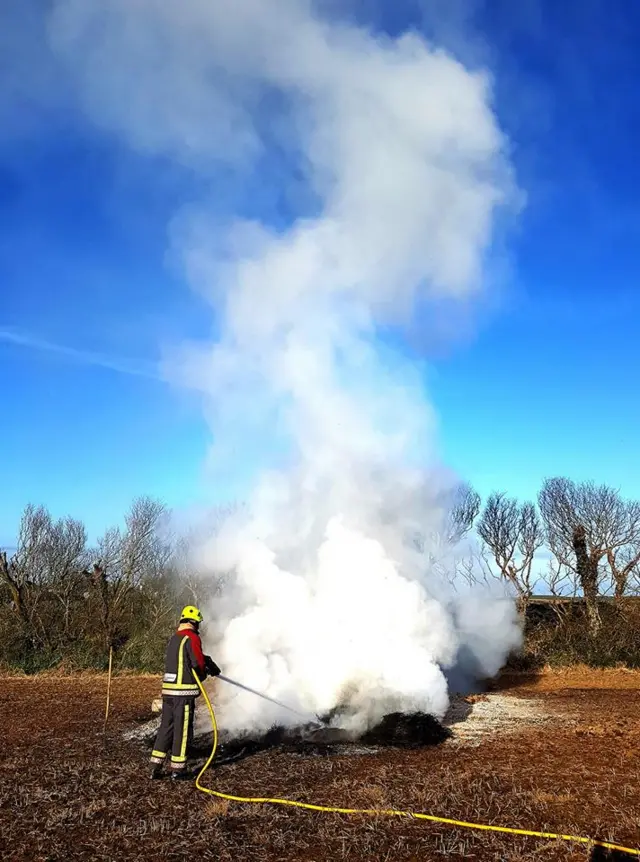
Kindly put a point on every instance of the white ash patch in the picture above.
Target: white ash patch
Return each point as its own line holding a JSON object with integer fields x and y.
{"x": 471, "y": 719}
{"x": 146, "y": 732}
{"x": 143, "y": 732}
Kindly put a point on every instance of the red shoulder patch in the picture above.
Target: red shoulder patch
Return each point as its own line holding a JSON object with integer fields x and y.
{"x": 196, "y": 645}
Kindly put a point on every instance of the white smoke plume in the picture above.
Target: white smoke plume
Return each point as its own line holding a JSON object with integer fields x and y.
{"x": 400, "y": 174}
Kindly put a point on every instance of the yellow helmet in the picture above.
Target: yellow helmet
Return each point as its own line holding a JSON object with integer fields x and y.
{"x": 191, "y": 613}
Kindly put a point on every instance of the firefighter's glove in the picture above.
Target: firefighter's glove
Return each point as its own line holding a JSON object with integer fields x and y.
{"x": 211, "y": 667}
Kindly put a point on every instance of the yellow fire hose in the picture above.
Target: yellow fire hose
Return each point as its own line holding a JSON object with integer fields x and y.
{"x": 376, "y": 812}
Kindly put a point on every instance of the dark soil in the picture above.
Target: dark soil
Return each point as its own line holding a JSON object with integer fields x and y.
{"x": 67, "y": 792}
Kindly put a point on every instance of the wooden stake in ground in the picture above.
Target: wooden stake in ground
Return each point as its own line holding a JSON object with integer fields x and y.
{"x": 106, "y": 713}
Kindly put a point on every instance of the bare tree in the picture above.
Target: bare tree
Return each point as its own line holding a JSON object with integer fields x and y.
{"x": 146, "y": 545}
{"x": 513, "y": 534}
{"x": 473, "y": 568}
{"x": 125, "y": 560}
{"x": 199, "y": 580}
{"x": 464, "y": 510}
{"x": 44, "y": 575}
{"x": 23, "y": 573}
{"x": 586, "y": 526}
{"x": 633, "y": 583}
{"x": 562, "y": 584}
{"x": 625, "y": 562}
{"x": 64, "y": 558}
{"x": 14, "y": 579}
{"x": 186, "y": 569}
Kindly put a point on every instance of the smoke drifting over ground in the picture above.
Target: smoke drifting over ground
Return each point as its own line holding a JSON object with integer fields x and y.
{"x": 400, "y": 172}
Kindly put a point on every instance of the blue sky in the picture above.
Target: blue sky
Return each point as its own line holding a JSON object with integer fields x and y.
{"x": 545, "y": 385}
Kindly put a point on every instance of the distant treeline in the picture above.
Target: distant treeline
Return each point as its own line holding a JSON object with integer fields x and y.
{"x": 65, "y": 603}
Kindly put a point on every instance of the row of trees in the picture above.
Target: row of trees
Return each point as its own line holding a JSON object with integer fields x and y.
{"x": 588, "y": 536}
{"x": 62, "y": 599}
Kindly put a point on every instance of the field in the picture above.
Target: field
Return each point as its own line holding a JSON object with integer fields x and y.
{"x": 559, "y": 752}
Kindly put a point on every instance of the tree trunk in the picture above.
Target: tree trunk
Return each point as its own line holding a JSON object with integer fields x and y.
{"x": 621, "y": 575}
{"x": 587, "y": 568}
{"x": 99, "y": 578}
{"x": 522, "y": 604}
{"x": 17, "y": 596}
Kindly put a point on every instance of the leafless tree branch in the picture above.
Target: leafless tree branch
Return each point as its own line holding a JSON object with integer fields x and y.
{"x": 513, "y": 534}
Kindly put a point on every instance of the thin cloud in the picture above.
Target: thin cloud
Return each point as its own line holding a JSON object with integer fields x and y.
{"x": 133, "y": 368}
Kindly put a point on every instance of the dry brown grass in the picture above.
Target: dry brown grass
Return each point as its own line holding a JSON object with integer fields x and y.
{"x": 577, "y": 676}
{"x": 63, "y": 671}
{"x": 67, "y": 792}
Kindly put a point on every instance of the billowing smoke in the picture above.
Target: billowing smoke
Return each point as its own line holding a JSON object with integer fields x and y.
{"x": 392, "y": 174}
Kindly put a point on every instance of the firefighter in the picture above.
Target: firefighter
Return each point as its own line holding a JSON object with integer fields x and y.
{"x": 183, "y": 658}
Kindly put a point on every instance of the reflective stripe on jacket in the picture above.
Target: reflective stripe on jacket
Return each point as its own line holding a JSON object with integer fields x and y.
{"x": 183, "y": 656}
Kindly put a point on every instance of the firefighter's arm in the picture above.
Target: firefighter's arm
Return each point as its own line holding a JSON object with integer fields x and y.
{"x": 212, "y": 667}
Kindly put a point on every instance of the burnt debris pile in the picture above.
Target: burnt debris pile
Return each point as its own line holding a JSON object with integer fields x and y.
{"x": 396, "y": 730}
{"x": 407, "y": 731}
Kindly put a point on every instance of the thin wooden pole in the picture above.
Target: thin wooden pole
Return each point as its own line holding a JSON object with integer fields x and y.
{"x": 106, "y": 713}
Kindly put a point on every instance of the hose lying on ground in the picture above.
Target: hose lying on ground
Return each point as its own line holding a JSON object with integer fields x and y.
{"x": 381, "y": 812}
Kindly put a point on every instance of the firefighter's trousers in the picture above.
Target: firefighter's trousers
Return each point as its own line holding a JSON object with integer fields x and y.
{"x": 175, "y": 734}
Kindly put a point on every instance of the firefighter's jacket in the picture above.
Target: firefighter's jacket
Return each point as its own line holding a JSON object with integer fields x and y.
{"x": 184, "y": 655}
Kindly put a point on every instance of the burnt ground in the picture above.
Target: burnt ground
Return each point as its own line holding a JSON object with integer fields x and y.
{"x": 395, "y": 731}
{"x": 556, "y": 753}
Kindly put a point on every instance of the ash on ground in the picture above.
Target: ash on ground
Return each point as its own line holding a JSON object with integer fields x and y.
{"x": 396, "y": 730}
{"x": 469, "y": 720}
{"x": 476, "y": 717}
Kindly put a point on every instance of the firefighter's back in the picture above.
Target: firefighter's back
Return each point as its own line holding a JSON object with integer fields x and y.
{"x": 178, "y": 680}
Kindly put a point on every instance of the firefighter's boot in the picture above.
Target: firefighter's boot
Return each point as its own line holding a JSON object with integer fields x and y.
{"x": 179, "y": 775}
